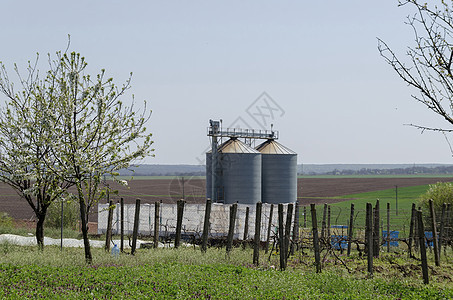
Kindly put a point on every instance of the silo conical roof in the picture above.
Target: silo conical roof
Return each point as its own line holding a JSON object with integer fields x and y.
{"x": 273, "y": 147}
{"x": 235, "y": 146}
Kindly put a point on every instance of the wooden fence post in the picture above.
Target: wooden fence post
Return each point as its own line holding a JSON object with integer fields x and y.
{"x": 269, "y": 228}
{"x": 295, "y": 228}
{"x": 122, "y": 224}
{"x": 350, "y": 229}
{"x": 324, "y": 224}
{"x": 108, "y": 233}
{"x": 281, "y": 237}
{"x": 369, "y": 237}
{"x": 179, "y": 217}
{"x": 136, "y": 223}
{"x": 328, "y": 227}
{"x": 376, "y": 231}
{"x": 442, "y": 227}
{"x": 289, "y": 216}
{"x": 233, "y": 211}
{"x": 246, "y": 227}
{"x": 435, "y": 238}
{"x": 447, "y": 228}
{"x": 421, "y": 242}
{"x": 305, "y": 217}
{"x": 257, "y": 239}
{"x": 156, "y": 223}
{"x": 207, "y": 216}
{"x": 412, "y": 229}
{"x": 416, "y": 241}
{"x": 314, "y": 222}
{"x": 388, "y": 226}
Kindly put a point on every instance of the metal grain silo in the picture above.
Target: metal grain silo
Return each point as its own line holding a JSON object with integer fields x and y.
{"x": 278, "y": 173}
{"x": 239, "y": 173}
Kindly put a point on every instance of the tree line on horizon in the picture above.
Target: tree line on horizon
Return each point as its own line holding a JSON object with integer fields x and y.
{"x": 436, "y": 170}
{"x": 440, "y": 170}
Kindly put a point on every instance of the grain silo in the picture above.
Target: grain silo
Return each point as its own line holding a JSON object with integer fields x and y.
{"x": 239, "y": 173}
{"x": 235, "y": 172}
{"x": 278, "y": 173}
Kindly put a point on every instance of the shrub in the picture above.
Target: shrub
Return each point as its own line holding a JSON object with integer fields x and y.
{"x": 440, "y": 193}
{"x": 5, "y": 220}
{"x": 70, "y": 214}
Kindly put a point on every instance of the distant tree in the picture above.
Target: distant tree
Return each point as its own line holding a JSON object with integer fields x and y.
{"x": 428, "y": 63}
{"x": 28, "y": 128}
{"x": 100, "y": 135}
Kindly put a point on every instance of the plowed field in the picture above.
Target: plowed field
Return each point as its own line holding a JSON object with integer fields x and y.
{"x": 310, "y": 190}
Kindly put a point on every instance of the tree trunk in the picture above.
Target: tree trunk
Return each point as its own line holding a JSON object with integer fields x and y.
{"x": 86, "y": 241}
{"x": 40, "y": 229}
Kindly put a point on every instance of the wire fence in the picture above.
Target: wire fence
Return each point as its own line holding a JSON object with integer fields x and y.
{"x": 333, "y": 223}
{"x": 192, "y": 221}
{"x": 329, "y": 231}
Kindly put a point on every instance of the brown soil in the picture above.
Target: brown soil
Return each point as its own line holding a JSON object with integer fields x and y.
{"x": 310, "y": 190}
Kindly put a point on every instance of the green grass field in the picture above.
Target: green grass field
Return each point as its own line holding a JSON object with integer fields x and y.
{"x": 403, "y": 198}
{"x": 399, "y": 220}
{"x": 186, "y": 273}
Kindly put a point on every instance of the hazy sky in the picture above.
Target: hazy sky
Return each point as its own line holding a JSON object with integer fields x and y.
{"x": 332, "y": 97}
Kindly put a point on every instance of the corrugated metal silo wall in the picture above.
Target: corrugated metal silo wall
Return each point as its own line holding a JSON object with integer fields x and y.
{"x": 279, "y": 178}
{"x": 241, "y": 177}
{"x": 208, "y": 175}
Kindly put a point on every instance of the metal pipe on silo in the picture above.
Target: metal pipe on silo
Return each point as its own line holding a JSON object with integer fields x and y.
{"x": 214, "y": 131}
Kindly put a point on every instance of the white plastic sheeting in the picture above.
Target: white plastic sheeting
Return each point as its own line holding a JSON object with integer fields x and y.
{"x": 31, "y": 241}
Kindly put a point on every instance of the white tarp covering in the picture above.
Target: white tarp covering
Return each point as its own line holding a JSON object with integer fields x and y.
{"x": 31, "y": 241}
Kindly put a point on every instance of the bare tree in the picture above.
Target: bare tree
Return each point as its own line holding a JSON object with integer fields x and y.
{"x": 428, "y": 63}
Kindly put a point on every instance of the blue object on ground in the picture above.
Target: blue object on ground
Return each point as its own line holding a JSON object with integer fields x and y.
{"x": 115, "y": 251}
{"x": 429, "y": 239}
{"x": 393, "y": 238}
{"x": 340, "y": 240}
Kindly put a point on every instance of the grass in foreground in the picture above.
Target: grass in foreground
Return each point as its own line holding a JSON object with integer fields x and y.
{"x": 186, "y": 273}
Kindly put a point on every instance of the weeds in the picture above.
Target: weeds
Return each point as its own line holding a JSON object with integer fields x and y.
{"x": 5, "y": 220}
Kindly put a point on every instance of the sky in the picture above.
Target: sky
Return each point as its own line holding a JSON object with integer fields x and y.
{"x": 310, "y": 68}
